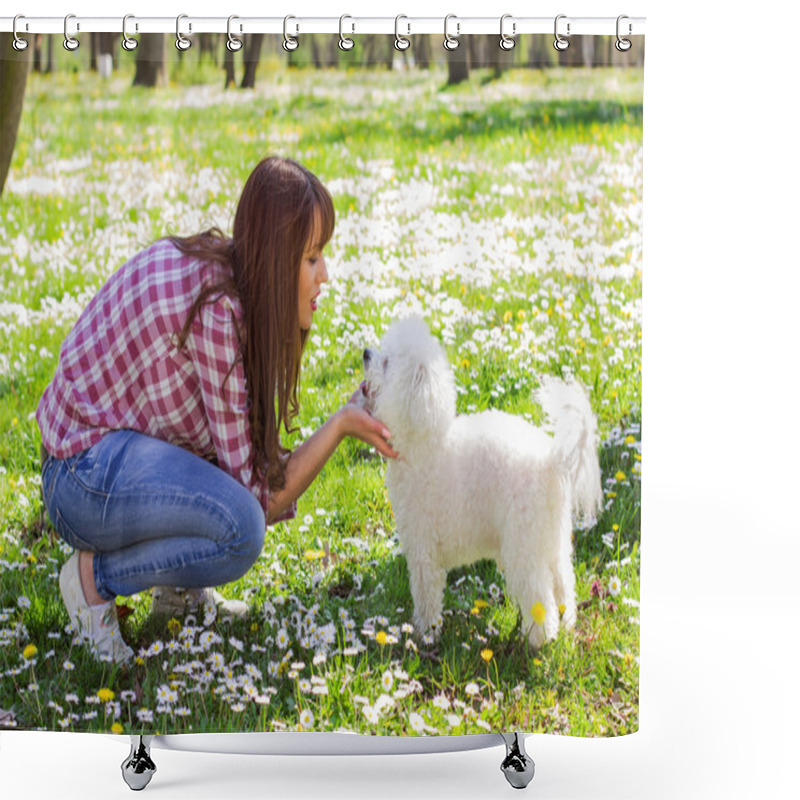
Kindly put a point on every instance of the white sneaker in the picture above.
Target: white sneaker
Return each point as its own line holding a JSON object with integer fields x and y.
{"x": 175, "y": 601}
{"x": 97, "y": 624}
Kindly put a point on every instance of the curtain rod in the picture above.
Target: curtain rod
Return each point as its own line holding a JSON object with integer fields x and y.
{"x": 186, "y": 25}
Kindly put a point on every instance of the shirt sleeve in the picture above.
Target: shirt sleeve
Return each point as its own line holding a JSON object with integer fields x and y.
{"x": 214, "y": 346}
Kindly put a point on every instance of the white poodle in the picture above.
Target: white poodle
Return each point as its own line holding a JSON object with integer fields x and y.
{"x": 487, "y": 485}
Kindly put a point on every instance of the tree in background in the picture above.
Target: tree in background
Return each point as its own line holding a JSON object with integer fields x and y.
{"x": 251, "y": 54}
{"x": 151, "y": 60}
{"x": 14, "y": 68}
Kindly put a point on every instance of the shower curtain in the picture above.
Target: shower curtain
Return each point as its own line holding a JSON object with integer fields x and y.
{"x": 497, "y": 196}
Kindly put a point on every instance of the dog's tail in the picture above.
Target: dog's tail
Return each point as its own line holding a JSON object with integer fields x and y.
{"x": 570, "y": 418}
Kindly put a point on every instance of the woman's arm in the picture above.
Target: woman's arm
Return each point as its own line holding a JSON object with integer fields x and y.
{"x": 306, "y": 462}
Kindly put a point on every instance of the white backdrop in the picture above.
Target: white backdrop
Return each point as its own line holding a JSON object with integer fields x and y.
{"x": 719, "y": 703}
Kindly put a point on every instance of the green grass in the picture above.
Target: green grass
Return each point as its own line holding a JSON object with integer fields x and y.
{"x": 508, "y": 213}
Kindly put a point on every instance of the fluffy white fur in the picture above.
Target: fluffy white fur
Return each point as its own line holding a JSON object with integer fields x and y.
{"x": 487, "y": 485}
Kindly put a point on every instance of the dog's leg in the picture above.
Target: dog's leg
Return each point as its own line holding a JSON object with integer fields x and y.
{"x": 564, "y": 582}
{"x": 533, "y": 591}
{"x": 428, "y": 580}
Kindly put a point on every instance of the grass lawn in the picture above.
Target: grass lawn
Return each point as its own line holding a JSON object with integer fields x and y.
{"x": 508, "y": 213}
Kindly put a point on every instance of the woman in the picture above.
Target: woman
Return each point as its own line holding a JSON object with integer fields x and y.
{"x": 162, "y": 461}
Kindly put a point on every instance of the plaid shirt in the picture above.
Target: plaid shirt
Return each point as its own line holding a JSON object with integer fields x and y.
{"x": 120, "y": 368}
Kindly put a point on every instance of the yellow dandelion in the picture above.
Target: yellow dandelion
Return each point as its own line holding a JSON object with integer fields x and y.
{"x": 538, "y": 613}
{"x": 139, "y": 661}
{"x": 615, "y": 527}
{"x": 105, "y": 695}
{"x": 381, "y": 638}
{"x": 475, "y": 611}
{"x": 620, "y": 476}
{"x": 508, "y": 316}
{"x": 464, "y": 363}
{"x": 314, "y": 555}
{"x": 30, "y": 651}
{"x": 481, "y": 604}
{"x": 174, "y": 626}
{"x": 117, "y": 728}
{"x": 521, "y": 314}
{"x": 630, "y": 439}
{"x": 486, "y": 655}
{"x": 561, "y": 609}
{"x": 536, "y": 662}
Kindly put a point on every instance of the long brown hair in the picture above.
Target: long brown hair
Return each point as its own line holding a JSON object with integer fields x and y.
{"x": 281, "y": 207}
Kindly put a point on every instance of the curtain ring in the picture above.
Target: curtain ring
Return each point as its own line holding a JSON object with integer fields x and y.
{"x": 18, "y": 44}
{"x": 181, "y": 42}
{"x": 400, "y": 42}
{"x": 290, "y": 43}
{"x": 507, "y": 42}
{"x": 345, "y": 43}
{"x": 233, "y": 44}
{"x": 623, "y": 45}
{"x": 561, "y": 43}
{"x": 128, "y": 43}
{"x": 451, "y": 42}
{"x": 70, "y": 42}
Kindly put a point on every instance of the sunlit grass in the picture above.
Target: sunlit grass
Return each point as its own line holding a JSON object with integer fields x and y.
{"x": 508, "y": 213}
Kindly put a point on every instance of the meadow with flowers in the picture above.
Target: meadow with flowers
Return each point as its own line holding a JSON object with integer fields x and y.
{"x": 508, "y": 213}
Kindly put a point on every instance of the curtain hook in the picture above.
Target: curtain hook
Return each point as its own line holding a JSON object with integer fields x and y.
{"x": 128, "y": 43}
{"x": 623, "y": 45}
{"x": 345, "y": 43}
{"x": 233, "y": 44}
{"x": 290, "y": 43}
{"x": 18, "y": 44}
{"x": 561, "y": 43}
{"x": 507, "y": 42}
{"x": 70, "y": 42}
{"x": 181, "y": 42}
{"x": 451, "y": 42}
{"x": 401, "y": 42}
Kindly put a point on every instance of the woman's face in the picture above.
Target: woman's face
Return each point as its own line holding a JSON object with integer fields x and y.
{"x": 312, "y": 275}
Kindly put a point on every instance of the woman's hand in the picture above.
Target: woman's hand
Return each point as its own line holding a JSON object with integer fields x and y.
{"x": 356, "y": 421}
{"x": 304, "y": 463}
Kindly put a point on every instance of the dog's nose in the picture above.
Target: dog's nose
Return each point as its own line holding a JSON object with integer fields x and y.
{"x": 367, "y": 356}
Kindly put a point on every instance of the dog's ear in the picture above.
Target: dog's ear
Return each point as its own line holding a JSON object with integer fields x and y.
{"x": 421, "y": 375}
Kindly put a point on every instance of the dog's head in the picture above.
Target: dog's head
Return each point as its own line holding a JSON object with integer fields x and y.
{"x": 408, "y": 383}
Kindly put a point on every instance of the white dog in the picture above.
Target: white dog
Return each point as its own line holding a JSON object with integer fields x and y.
{"x": 485, "y": 485}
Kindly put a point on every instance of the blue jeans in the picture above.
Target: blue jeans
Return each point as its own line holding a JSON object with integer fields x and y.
{"x": 153, "y": 514}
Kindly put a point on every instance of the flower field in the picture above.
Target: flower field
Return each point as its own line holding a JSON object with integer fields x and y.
{"x": 508, "y": 213}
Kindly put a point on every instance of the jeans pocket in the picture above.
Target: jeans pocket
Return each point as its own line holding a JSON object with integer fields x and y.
{"x": 82, "y": 468}
{"x": 68, "y": 534}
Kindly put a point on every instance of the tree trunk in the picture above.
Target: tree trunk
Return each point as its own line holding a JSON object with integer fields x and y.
{"x": 151, "y": 60}
{"x": 458, "y": 64}
{"x": 573, "y": 55}
{"x": 14, "y": 68}
{"x": 541, "y": 52}
{"x": 251, "y": 53}
{"x": 230, "y": 73}
{"x": 421, "y": 47}
{"x": 316, "y": 51}
{"x": 208, "y": 45}
{"x": 42, "y": 52}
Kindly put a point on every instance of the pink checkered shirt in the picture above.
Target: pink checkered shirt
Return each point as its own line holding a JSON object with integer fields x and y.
{"x": 120, "y": 368}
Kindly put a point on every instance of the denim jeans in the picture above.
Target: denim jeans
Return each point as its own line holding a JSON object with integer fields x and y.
{"x": 153, "y": 514}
